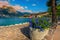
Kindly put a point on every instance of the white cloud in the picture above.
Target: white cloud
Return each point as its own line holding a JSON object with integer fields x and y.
{"x": 33, "y": 4}
{"x": 26, "y": 7}
{"x": 27, "y": 11}
{"x": 21, "y": 8}
{"x": 16, "y": 7}
{"x": 3, "y": 3}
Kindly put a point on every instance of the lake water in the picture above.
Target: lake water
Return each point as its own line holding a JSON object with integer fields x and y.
{"x": 12, "y": 21}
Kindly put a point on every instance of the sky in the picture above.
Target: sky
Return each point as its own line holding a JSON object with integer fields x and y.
{"x": 29, "y": 5}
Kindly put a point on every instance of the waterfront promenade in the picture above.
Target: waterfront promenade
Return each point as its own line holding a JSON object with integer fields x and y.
{"x": 15, "y": 32}
{"x": 56, "y": 35}
{"x": 20, "y": 32}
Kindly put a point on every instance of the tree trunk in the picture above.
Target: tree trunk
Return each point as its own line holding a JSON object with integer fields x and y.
{"x": 54, "y": 17}
{"x": 50, "y": 34}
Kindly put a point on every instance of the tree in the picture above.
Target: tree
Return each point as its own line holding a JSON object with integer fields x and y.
{"x": 52, "y": 4}
{"x": 52, "y": 7}
{"x": 54, "y": 17}
{"x": 58, "y": 10}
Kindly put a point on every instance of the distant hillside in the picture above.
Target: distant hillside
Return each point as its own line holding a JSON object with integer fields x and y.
{"x": 11, "y": 12}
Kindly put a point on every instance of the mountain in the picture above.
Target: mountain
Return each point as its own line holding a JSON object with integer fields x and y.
{"x": 11, "y": 12}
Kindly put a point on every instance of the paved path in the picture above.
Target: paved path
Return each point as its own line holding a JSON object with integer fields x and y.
{"x": 57, "y": 33}
{"x": 16, "y": 32}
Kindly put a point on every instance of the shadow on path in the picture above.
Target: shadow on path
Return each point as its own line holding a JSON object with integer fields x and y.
{"x": 26, "y": 31}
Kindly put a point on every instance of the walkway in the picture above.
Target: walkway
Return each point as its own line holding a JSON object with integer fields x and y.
{"x": 57, "y": 33}
{"x": 15, "y": 32}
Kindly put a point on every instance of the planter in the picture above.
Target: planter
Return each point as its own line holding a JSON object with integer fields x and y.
{"x": 38, "y": 35}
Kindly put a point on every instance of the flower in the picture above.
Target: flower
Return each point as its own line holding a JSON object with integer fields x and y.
{"x": 40, "y": 23}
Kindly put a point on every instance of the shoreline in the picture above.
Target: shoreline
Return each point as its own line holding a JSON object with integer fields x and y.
{"x": 16, "y": 24}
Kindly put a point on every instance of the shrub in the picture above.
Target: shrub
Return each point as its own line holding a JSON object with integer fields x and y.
{"x": 41, "y": 23}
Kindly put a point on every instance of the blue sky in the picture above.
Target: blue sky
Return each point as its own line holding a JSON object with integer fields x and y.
{"x": 33, "y": 5}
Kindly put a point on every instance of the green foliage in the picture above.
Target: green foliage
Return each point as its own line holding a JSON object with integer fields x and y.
{"x": 49, "y": 3}
{"x": 58, "y": 10}
{"x": 42, "y": 22}
{"x": 33, "y": 21}
{"x": 45, "y": 24}
{"x": 57, "y": 6}
{"x": 49, "y": 11}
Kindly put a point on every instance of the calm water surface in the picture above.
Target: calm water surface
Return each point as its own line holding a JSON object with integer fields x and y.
{"x": 12, "y": 21}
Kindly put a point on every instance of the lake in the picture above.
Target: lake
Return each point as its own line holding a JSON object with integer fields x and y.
{"x": 12, "y": 21}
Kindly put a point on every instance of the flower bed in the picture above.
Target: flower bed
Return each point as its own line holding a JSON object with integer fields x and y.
{"x": 39, "y": 27}
{"x": 41, "y": 23}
